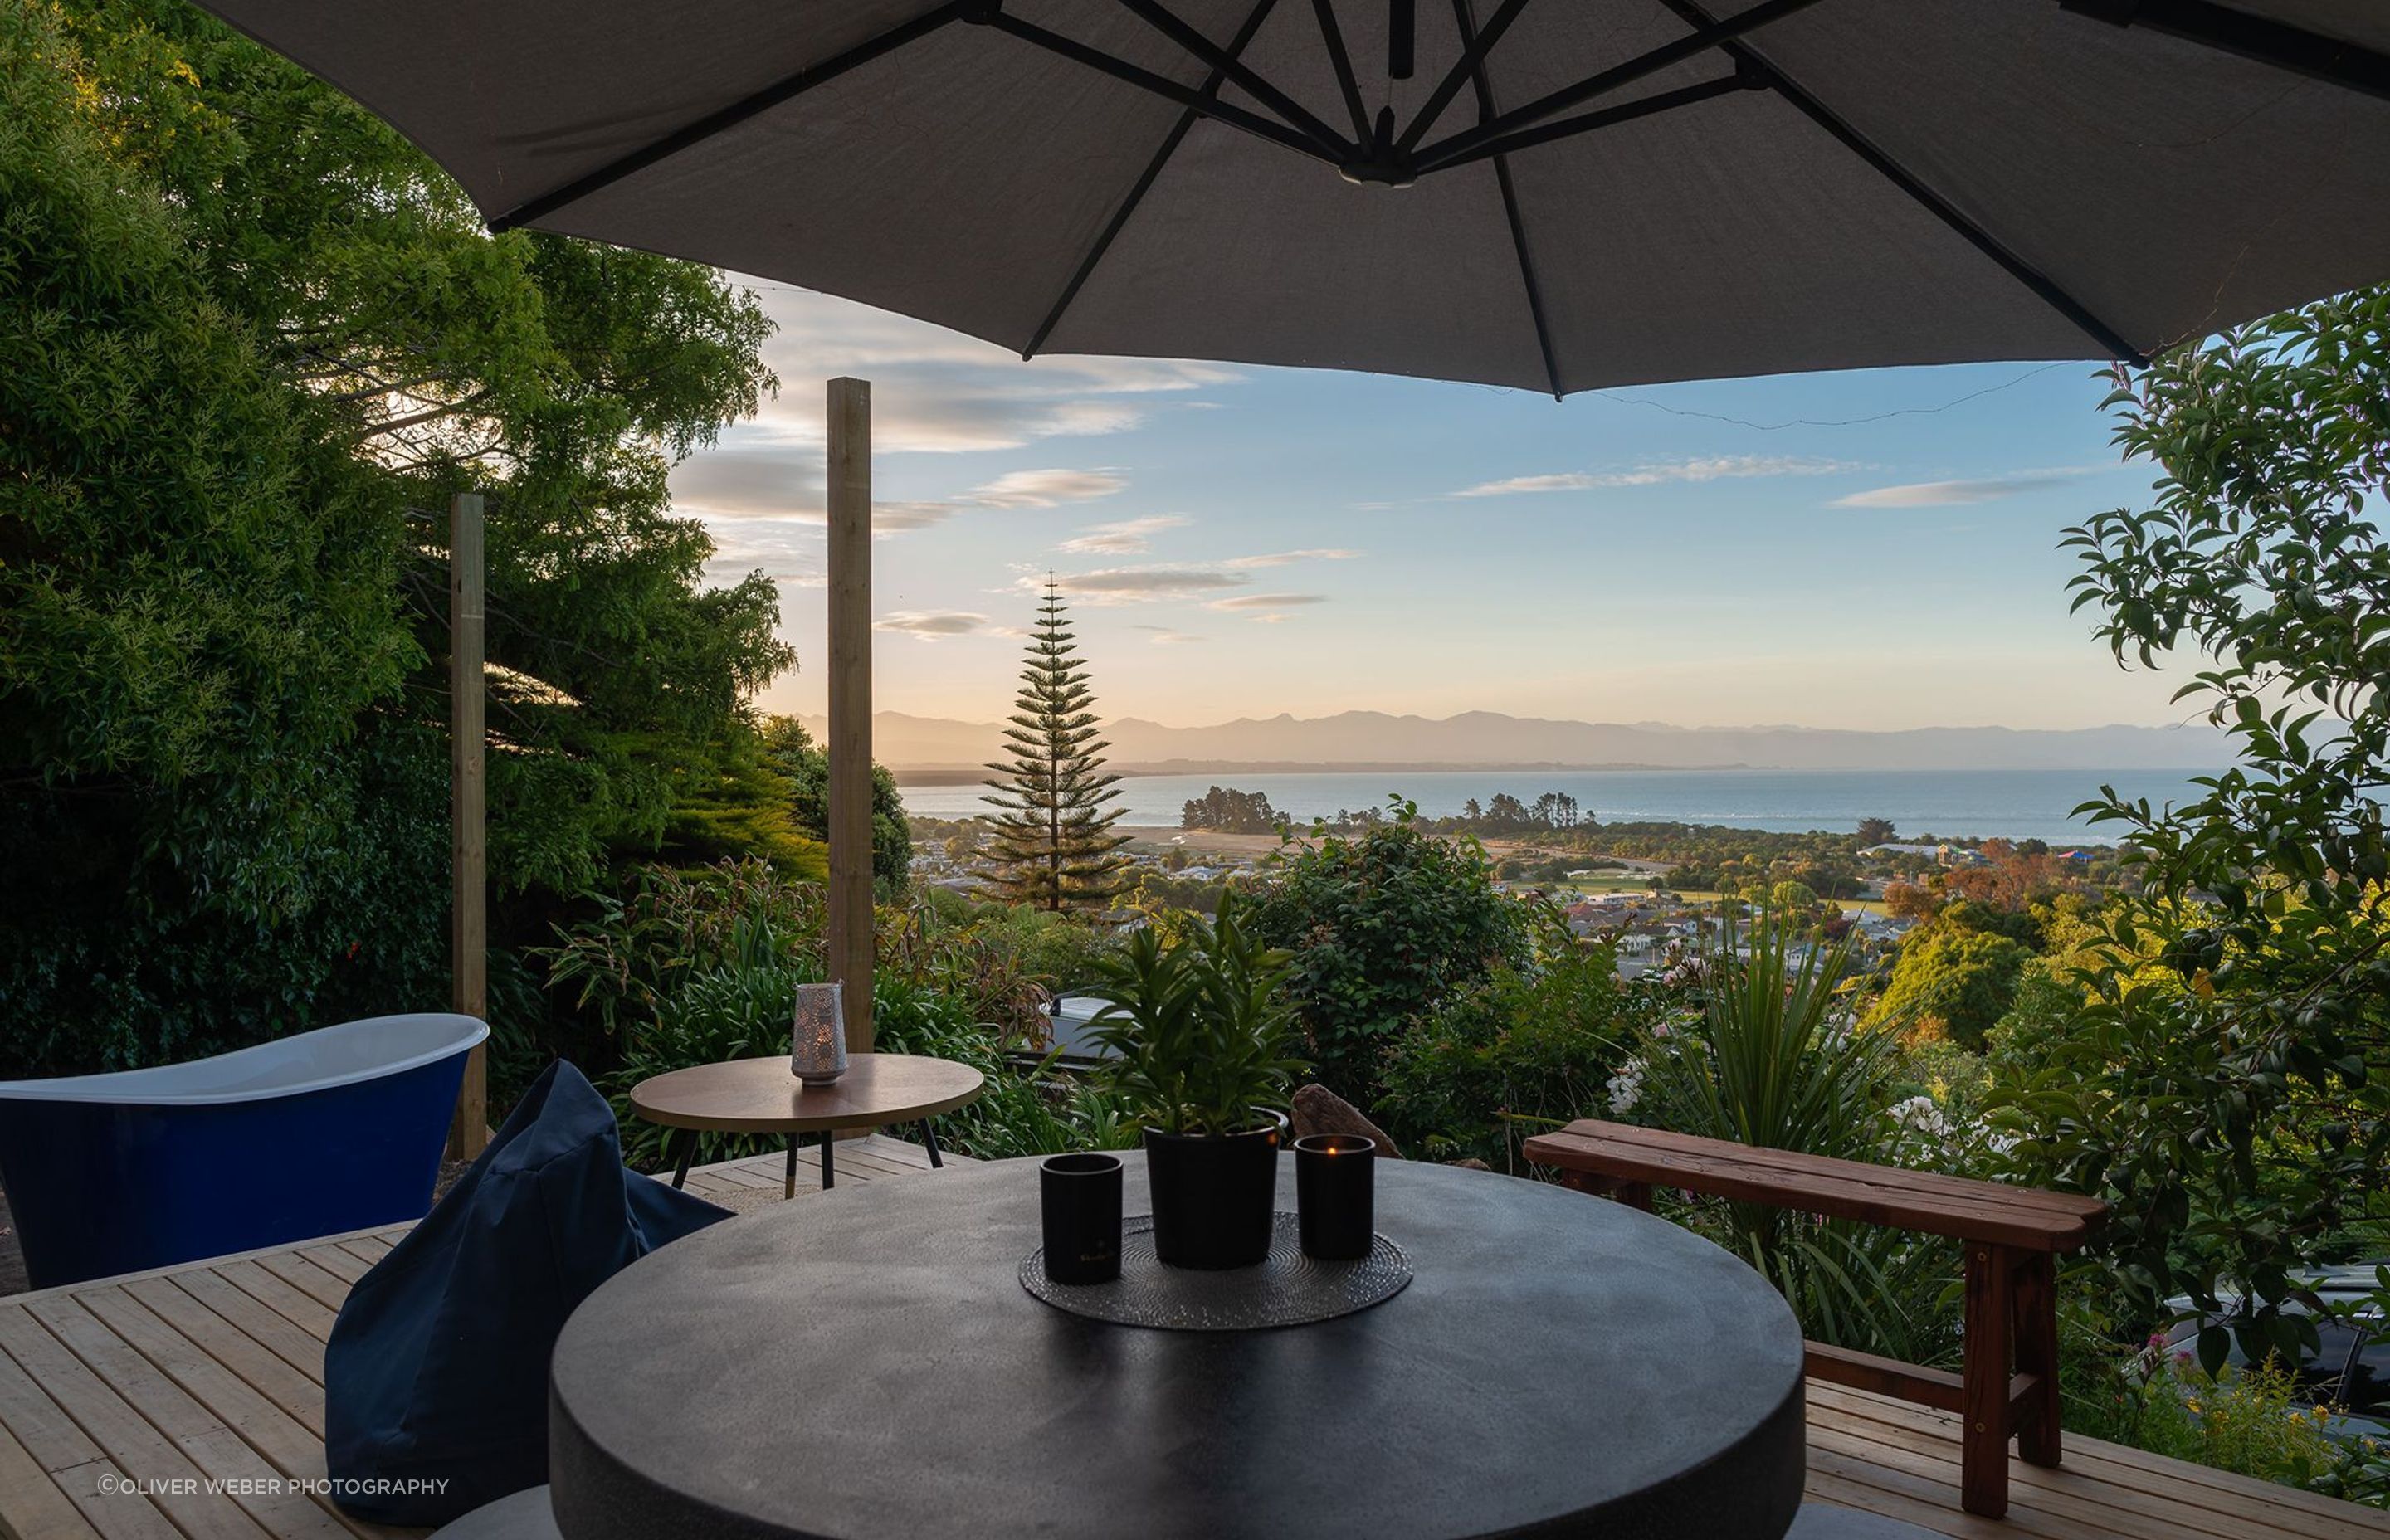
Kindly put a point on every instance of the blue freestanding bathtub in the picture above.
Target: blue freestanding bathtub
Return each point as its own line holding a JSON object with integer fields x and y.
{"x": 328, "y": 1130}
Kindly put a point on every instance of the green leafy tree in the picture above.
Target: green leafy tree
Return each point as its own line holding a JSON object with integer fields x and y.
{"x": 251, "y": 340}
{"x": 1384, "y": 926}
{"x": 805, "y": 766}
{"x": 1231, "y": 811}
{"x": 2238, "y": 1108}
{"x": 1967, "y": 980}
{"x": 1054, "y": 844}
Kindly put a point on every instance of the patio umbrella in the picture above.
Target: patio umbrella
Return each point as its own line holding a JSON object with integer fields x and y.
{"x": 1553, "y": 194}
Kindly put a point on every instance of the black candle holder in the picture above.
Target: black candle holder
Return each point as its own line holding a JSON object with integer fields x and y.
{"x": 1335, "y": 1188}
{"x": 1079, "y": 1199}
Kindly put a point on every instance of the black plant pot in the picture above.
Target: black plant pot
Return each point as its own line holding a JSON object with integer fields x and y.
{"x": 1214, "y": 1196}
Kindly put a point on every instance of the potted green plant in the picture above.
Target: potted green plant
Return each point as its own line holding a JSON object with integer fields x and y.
{"x": 1203, "y": 1029}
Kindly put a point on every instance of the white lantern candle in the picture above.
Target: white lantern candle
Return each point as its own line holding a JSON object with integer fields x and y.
{"x": 819, "y": 1056}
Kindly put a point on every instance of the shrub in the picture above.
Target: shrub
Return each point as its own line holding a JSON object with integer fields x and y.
{"x": 1531, "y": 1045}
{"x": 1967, "y": 979}
{"x": 1384, "y": 925}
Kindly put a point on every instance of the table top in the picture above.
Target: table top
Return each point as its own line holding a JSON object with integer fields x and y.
{"x": 871, "y": 1366}
{"x": 761, "y": 1096}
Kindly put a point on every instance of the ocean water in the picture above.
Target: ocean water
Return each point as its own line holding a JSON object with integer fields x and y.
{"x": 2017, "y": 805}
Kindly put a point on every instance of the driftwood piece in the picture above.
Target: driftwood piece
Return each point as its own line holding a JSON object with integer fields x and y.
{"x": 1318, "y": 1110}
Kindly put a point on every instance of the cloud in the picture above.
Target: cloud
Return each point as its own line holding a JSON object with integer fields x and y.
{"x": 1128, "y": 537}
{"x": 930, "y": 624}
{"x": 1279, "y": 559}
{"x": 1573, "y": 481}
{"x": 938, "y": 392}
{"x": 1267, "y": 601}
{"x": 1166, "y": 635}
{"x": 1951, "y": 495}
{"x": 1712, "y": 468}
{"x": 1135, "y": 584}
{"x": 1044, "y": 489}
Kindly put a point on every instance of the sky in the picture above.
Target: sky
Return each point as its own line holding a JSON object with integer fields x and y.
{"x": 1870, "y": 550}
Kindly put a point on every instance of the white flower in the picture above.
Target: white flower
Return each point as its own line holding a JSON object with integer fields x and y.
{"x": 1626, "y": 1086}
{"x": 1918, "y": 1115}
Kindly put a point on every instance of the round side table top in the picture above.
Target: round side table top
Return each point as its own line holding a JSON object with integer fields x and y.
{"x": 762, "y": 1095}
{"x": 867, "y": 1364}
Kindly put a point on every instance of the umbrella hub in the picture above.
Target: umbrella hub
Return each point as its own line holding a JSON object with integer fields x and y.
{"x": 1381, "y": 159}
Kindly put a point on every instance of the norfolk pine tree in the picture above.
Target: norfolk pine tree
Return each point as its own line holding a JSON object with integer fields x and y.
{"x": 1054, "y": 844}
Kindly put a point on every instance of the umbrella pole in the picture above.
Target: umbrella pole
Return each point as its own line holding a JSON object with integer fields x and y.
{"x": 849, "y": 478}
{"x": 468, "y": 932}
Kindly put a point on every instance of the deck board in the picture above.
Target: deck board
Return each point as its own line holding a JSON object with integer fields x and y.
{"x": 215, "y": 1369}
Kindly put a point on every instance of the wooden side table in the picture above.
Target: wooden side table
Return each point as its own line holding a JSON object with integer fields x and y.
{"x": 762, "y": 1095}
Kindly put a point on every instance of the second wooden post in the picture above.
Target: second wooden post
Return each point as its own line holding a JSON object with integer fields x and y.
{"x": 849, "y": 477}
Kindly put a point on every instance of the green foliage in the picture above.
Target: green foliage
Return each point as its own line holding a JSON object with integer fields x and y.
{"x": 2225, "y": 1081}
{"x": 1384, "y": 927}
{"x": 1023, "y": 1112}
{"x": 1201, "y": 1024}
{"x": 251, "y": 339}
{"x": 2248, "y": 1420}
{"x": 1773, "y": 1058}
{"x": 805, "y": 765}
{"x": 1528, "y": 1048}
{"x": 1231, "y": 811}
{"x": 1054, "y": 846}
{"x": 623, "y": 964}
{"x": 739, "y": 801}
{"x": 207, "y": 846}
{"x": 1057, "y": 952}
{"x": 1966, "y": 979}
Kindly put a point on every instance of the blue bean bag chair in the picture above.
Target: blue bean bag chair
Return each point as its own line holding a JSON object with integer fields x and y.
{"x": 435, "y": 1379}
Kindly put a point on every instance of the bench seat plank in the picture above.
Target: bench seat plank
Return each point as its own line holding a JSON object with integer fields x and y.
{"x": 1926, "y": 1201}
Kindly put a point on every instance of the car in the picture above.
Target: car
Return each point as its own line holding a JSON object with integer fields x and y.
{"x": 2348, "y": 1374}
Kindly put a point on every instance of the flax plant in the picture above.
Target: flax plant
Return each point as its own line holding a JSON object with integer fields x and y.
{"x": 1778, "y": 1060}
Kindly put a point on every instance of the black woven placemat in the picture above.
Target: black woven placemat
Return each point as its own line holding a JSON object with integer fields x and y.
{"x": 1287, "y": 1288}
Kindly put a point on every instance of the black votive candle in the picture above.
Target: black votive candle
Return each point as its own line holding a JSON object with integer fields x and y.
{"x": 1334, "y": 1186}
{"x": 1079, "y": 1196}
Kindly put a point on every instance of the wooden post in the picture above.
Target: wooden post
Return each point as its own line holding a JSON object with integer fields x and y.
{"x": 849, "y": 478}
{"x": 468, "y": 932}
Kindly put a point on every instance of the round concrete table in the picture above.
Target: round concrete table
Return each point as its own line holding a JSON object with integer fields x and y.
{"x": 868, "y": 1364}
{"x": 762, "y": 1096}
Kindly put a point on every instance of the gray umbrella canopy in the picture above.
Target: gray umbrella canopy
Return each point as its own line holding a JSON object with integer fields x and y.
{"x": 1552, "y": 194}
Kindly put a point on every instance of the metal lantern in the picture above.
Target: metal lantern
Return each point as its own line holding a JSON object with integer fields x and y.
{"x": 818, "y": 1054}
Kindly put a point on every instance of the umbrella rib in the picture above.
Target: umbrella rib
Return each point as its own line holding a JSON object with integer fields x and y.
{"x": 1465, "y": 24}
{"x": 1472, "y": 57}
{"x": 1301, "y": 118}
{"x": 2251, "y": 37}
{"x": 1333, "y": 37}
{"x": 1644, "y": 107}
{"x": 712, "y": 123}
{"x": 1144, "y": 184}
{"x": 2110, "y": 340}
{"x": 1707, "y": 34}
{"x": 1163, "y": 87}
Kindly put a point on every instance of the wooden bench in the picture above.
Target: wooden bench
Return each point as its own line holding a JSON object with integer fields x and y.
{"x": 2011, "y": 1235}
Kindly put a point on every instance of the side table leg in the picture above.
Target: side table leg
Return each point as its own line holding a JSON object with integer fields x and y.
{"x": 687, "y": 1141}
{"x": 930, "y": 1143}
{"x": 789, "y": 1175}
{"x": 829, "y": 1172}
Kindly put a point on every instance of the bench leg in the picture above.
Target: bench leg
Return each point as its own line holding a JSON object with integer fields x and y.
{"x": 1984, "y": 1434}
{"x": 1635, "y": 1195}
{"x": 2035, "y": 1313}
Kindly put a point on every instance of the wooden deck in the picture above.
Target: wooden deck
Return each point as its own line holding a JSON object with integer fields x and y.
{"x": 212, "y": 1372}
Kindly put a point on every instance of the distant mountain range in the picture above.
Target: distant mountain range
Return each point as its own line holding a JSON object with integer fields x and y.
{"x": 1489, "y": 740}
